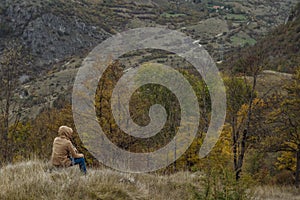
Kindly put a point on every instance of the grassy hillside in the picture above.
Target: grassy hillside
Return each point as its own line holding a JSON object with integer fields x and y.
{"x": 29, "y": 180}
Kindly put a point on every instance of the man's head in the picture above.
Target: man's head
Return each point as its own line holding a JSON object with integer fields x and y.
{"x": 65, "y": 131}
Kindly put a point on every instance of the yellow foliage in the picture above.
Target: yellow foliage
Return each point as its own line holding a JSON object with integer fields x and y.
{"x": 286, "y": 160}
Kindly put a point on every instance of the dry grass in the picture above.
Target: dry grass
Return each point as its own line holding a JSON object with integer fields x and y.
{"x": 277, "y": 193}
{"x": 31, "y": 180}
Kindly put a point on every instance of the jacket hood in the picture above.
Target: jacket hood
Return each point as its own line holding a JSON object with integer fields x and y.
{"x": 65, "y": 131}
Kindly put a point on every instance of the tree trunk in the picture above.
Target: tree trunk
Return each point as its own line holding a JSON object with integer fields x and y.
{"x": 297, "y": 181}
{"x": 242, "y": 146}
{"x": 234, "y": 145}
{"x": 242, "y": 155}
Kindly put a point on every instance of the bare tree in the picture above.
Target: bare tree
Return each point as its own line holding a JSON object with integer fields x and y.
{"x": 12, "y": 62}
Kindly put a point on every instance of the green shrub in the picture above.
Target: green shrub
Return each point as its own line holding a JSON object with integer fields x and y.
{"x": 221, "y": 184}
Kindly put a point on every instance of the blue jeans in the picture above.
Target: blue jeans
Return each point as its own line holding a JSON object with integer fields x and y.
{"x": 81, "y": 162}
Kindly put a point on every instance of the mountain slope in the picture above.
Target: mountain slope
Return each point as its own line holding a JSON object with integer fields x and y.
{"x": 58, "y": 34}
{"x": 279, "y": 50}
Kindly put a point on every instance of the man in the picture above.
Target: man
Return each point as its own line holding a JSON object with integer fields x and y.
{"x": 64, "y": 154}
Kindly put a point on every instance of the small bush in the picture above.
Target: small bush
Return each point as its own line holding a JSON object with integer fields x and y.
{"x": 283, "y": 177}
{"x": 221, "y": 184}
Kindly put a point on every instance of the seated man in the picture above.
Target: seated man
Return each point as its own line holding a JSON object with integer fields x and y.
{"x": 64, "y": 154}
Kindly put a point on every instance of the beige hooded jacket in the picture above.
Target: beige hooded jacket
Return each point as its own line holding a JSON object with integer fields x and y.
{"x": 63, "y": 148}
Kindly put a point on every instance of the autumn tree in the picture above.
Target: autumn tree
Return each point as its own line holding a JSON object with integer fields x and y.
{"x": 285, "y": 136}
{"x": 242, "y": 96}
{"x": 141, "y": 101}
{"x": 237, "y": 93}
